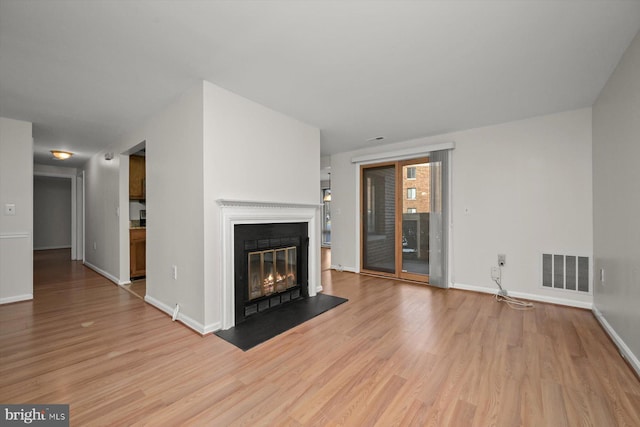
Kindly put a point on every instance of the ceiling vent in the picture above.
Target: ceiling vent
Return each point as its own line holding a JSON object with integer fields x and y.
{"x": 375, "y": 139}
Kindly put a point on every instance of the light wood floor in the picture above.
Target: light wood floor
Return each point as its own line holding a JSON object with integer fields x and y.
{"x": 326, "y": 259}
{"x": 137, "y": 287}
{"x": 395, "y": 354}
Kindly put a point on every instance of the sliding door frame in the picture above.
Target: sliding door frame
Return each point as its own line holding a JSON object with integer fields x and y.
{"x": 363, "y": 222}
{"x": 422, "y": 278}
{"x": 399, "y": 191}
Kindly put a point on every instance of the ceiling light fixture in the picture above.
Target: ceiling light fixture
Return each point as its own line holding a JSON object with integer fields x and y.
{"x": 61, "y": 155}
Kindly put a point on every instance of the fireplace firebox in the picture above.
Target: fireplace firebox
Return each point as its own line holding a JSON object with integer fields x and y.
{"x": 271, "y": 266}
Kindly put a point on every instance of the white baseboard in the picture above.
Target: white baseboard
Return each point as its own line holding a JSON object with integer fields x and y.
{"x": 474, "y": 288}
{"x": 102, "y": 273}
{"x": 527, "y": 296}
{"x": 343, "y": 268}
{"x": 183, "y": 318}
{"x": 623, "y": 348}
{"x": 47, "y": 248}
{"x": 211, "y": 328}
{"x": 16, "y": 298}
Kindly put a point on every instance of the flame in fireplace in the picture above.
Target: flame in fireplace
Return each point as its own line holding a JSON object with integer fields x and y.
{"x": 268, "y": 284}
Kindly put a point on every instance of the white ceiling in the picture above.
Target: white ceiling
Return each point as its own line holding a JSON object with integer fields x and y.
{"x": 86, "y": 72}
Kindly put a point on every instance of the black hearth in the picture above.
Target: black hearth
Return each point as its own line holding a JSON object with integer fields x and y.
{"x": 271, "y": 266}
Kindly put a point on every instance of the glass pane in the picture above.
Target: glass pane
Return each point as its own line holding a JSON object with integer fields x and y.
{"x": 281, "y": 270}
{"x": 268, "y": 272}
{"x": 326, "y": 217}
{"x": 415, "y": 218}
{"x": 291, "y": 266}
{"x": 255, "y": 275}
{"x": 379, "y": 207}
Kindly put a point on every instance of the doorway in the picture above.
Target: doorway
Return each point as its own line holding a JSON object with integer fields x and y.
{"x": 402, "y": 225}
{"x": 58, "y": 203}
{"x": 52, "y": 213}
{"x": 137, "y": 222}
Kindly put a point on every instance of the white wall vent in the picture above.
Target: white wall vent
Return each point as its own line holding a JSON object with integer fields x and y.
{"x": 568, "y": 272}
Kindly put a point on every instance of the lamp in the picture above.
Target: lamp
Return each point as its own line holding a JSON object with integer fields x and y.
{"x": 61, "y": 155}
{"x": 327, "y": 196}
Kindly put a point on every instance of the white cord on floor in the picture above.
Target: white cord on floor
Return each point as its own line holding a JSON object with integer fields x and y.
{"x": 513, "y": 303}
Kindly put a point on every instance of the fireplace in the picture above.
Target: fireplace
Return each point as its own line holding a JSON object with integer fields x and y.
{"x": 246, "y": 212}
{"x": 270, "y": 265}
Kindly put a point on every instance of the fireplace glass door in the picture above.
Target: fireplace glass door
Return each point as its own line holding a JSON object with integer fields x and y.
{"x": 271, "y": 271}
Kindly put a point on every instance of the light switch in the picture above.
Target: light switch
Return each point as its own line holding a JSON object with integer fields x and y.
{"x": 10, "y": 209}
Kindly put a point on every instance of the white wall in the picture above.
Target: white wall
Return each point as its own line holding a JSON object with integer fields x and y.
{"x": 527, "y": 185}
{"x": 251, "y": 153}
{"x": 209, "y": 144}
{"x": 174, "y": 206}
{"x": 16, "y": 232}
{"x": 102, "y": 205}
{"x": 174, "y": 191}
{"x": 76, "y": 181}
{"x": 616, "y": 150}
{"x": 58, "y": 171}
{"x": 51, "y": 212}
{"x": 135, "y": 206}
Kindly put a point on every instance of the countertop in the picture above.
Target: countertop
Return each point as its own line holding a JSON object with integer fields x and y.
{"x": 134, "y": 224}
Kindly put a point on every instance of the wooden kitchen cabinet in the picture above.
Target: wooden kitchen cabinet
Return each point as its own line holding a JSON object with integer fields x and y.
{"x": 137, "y": 178}
{"x": 137, "y": 252}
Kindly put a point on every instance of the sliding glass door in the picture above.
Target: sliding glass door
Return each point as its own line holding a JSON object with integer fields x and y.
{"x": 414, "y": 219}
{"x": 378, "y": 219}
{"x": 403, "y": 219}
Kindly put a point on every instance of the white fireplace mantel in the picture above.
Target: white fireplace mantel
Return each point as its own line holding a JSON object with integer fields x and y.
{"x": 234, "y": 212}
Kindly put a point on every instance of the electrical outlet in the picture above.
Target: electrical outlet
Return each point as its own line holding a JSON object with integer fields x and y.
{"x": 495, "y": 273}
{"x": 502, "y": 260}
